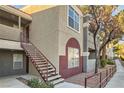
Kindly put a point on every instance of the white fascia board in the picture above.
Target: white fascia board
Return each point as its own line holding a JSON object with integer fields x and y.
{"x": 16, "y": 12}
{"x": 6, "y": 44}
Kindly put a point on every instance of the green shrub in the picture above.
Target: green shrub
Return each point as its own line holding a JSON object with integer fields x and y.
{"x": 103, "y": 63}
{"x": 50, "y": 85}
{"x": 107, "y": 61}
{"x": 121, "y": 58}
{"x": 35, "y": 83}
{"x": 110, "y": 62}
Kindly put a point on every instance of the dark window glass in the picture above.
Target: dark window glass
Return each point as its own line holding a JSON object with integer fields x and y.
{"x": 77, "y": 26}
{"x": 71, "y": 22}
{"x": 73, "y": 19}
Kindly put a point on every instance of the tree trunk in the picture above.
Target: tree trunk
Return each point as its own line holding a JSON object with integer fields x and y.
{"x": 96, "y": 54}
{"x": 97, "y": 61}
{"x": 103, "y": 53}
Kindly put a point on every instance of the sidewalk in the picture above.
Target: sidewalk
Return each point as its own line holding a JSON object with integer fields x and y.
{"x": 68, "y": 85}
{"x": 118, "y": 80}
{"x": 12, "y": 82}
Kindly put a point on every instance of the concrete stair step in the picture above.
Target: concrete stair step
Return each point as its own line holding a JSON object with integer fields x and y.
{"x": 57, "y": 81}
{"x": 54, "y": 77}
{"x": 39, "y": 61}
{"x": 37, "y": 58}
{"x": 50, "y": 75}
{"x": 43, "y": 66}
{"x": 49, "y": 68}
{"x": 49, "y": 71}
{"x": 42, "y": 63}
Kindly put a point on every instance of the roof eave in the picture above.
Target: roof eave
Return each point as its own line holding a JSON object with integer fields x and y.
{"x": 16, "y": 11}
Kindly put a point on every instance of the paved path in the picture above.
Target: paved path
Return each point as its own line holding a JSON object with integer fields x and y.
{"x": 68, "y": 85}
{"x": 118, "y": 79}
{"x": 11, "y": 82}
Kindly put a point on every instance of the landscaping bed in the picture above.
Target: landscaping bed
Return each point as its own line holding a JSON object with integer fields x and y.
{"x": 106, "y": 62}
{"x": 35, "y": 83}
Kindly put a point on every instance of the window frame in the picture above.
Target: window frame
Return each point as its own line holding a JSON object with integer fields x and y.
{"x": 77, "y": 31}
{"x": 22, "y": 66}
{"x": 74, "y": 62}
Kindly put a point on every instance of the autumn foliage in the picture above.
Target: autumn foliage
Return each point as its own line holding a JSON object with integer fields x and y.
{"x": 103, "y": 23}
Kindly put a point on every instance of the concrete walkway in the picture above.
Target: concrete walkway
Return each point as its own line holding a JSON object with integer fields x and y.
{"x": 68, "y": 85}
{"x": 118, "y": 79}
{"x": 11, "y": 82}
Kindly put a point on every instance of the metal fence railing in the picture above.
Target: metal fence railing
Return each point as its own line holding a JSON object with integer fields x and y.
{"x": 101, "y": 78}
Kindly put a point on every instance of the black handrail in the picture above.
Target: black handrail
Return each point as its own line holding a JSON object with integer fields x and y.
{"x": 101, "y": 81}
{"x": 30, "y": 57}
{"x": 23, "y": 41}
{"x": 43, "y": 56}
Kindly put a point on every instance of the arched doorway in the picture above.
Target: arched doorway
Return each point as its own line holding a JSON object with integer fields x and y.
{"x": 71, "y": 63}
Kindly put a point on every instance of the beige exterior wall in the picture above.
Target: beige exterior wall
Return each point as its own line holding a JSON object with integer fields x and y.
{"x": 32, "y": 69}
{"x": 65, "y": 32}
{"x": 44, "y": 33}
{"x": 9, "y": 33}
{"x": 49, "y": 32}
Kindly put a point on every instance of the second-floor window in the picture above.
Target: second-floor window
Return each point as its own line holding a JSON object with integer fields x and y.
{"x": 73, "y": 19}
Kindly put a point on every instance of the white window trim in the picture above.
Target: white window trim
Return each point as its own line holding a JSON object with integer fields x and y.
{"x": 78, "y": 62}
{"x": 15, "y": 62}
{"x": 77, "y": 31}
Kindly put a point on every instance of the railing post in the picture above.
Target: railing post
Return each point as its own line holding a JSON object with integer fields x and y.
{"x": 102, "y": 82}
{"x": 106, "y": 75}
{"x": 115, "y": 68}
{"x": 35, "y": 52}
{"x": 100, "y": 79}
{"x": 47, "y": 71}
{"x": 85, "y": 82}
{"x": 110, "y": 72}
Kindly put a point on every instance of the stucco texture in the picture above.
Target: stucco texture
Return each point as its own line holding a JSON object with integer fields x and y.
{"x": 6, "y": 63}
{"x": 44, "y": 33}
{"x": 49, "y": 32}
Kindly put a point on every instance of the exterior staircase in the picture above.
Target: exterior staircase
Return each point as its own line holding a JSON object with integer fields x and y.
{"x": 45, "y": 68}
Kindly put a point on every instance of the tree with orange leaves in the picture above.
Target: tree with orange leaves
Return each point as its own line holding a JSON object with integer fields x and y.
{"x": 103, "y": 24}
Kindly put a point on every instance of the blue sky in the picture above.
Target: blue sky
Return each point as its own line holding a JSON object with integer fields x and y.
{"x": 121, "y": 7}
{"x": 19, "y": 6}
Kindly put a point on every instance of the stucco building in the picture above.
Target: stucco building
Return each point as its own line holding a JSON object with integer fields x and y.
{"x": 12, "y": 56}
{"x": 49, "y": 41}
